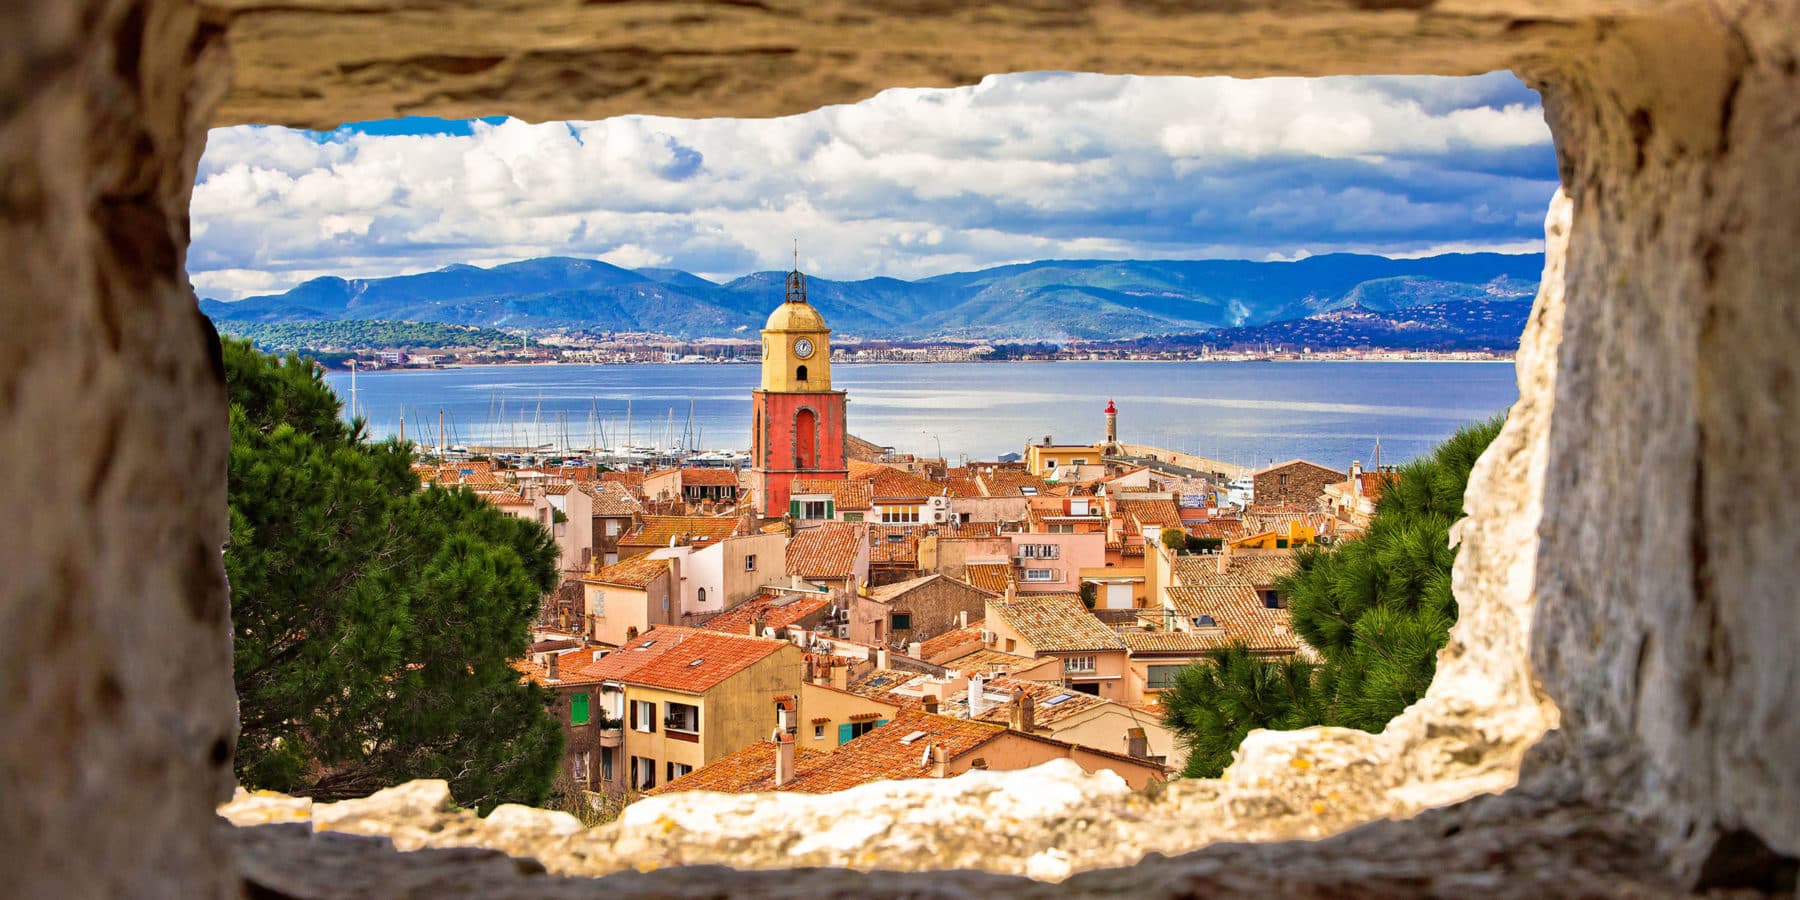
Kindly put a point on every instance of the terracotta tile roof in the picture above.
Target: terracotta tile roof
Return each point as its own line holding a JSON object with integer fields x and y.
{"x": 1233, "y": 605}
{"x": 880, "y": 684}
{"x": 965, "y": 531}
{"x": 1006, "y": 483}
{"x": 932, "y": 647}
{"x": 572, "y": 668}
{"x": 1161, "y": 513}
{"x": 990, "y": 577}
{"x": 845, "y": 495}
{"x": 1224, "y": 529}
{"x": 961, "y": 483}
{"x": 890, "y": 483}
{"x": 705, "y": 475}
{"x": 1056, "y": 622}
{"x": 633, "y": 481}
{"x": 779, "y": 611}
{"x": 751, "y": 769}
{"x": 659, "y": 531}
{"x": 1259, "y": 570}
{"x": 1044, "y": 713}
{"x": 636, "y": 572}
{"x": 1282, "y": 465}
{"x": 1174, "y": 642}
{"x": 1374, "y": 483}
{"x": 880, "y": 755}
{"x": 986, "y": 661}
{"x": 895, "y": 543}
{"x": 611, "y": 499}
{"x": 828, "y": 551}
{"x": 690, "y": 660}
{"x": 505, "y": 498}
{"x": 557, "y": 488}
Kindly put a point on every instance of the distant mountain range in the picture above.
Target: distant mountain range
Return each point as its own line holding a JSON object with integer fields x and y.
{"x": 1051, "y": 300}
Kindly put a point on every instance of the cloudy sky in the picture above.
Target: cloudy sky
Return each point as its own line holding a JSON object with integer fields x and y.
{"x": 908, "y": 183}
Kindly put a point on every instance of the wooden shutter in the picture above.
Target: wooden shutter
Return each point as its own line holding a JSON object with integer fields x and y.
{"x": 578, "y": 709}
{"x": 634, "y": 725}
{"x": 844, "y": 733}
{"x": 794, "y": 509}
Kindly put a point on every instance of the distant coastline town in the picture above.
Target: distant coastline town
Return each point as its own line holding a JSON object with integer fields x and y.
{"x": 406, "y": 345}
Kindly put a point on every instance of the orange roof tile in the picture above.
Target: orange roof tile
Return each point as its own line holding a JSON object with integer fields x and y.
{"x": 611, "y": 498}
{"x": 778, "y": 611}
{"x": 1160, "y": 513}
{"x": 991, "y": 577}
{"x": 660, "y": 531}
{"x": 1068, "y": 703}
{"x": 881, "y": 754}
{"x": 1234, "y": 607}
{"x": 638, "y": 572}
{"x": 895, "y": 543}
{"x": 932, "y": 647}
{"x": 986, "y": 661}
{"x": 889, "y": 483}
{"x": 845, "y": 495}
{"x": 1056, "y": 622}
{"x": 828, "y": 551}
{"x": 690, "y": 660}
{"x": 699, "y": 475}
{"x": 750, "y": 769}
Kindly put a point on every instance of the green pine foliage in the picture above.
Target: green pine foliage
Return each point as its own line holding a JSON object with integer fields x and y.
{"x": 1378, "y": 609}
{"x": 373, "y": 619}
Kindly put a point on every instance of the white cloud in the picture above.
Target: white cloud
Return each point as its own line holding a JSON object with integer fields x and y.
{"x": 908, "y": 183}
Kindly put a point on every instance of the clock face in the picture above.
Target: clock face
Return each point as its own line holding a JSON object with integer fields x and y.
{"x": 803, "y": 348}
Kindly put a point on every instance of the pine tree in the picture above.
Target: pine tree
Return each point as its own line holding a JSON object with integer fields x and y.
{"x": 1377, "y": 608}
{"x": 373, "y": 619}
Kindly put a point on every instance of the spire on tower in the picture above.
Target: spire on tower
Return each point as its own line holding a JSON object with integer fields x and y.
{"x": 796, "y": 282}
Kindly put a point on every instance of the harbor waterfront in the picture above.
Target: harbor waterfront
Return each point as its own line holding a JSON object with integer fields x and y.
{"x": 1247, "y": 413}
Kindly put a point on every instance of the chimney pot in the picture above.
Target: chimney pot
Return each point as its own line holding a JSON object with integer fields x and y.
{"x": 931, "y": 704}
{"x": 551, "y": 667}
{"x": 913, "y": 650}
{"x": 784, "y": 757}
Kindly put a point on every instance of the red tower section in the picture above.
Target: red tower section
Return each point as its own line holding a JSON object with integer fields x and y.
{"x": 794, "y": 435}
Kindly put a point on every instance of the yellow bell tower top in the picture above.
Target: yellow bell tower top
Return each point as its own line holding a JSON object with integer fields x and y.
{"x": 796, "y": 344}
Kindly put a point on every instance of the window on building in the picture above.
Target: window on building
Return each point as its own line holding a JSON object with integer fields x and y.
{"x": 682, "y": 718}
{"x": 1281, "y": 543}
{"x": 1281, "y": 480}
{"x": 611, "y": 558}
{"x": 606, "y": 765}
{"x": 902, "y": 622}
{"x": 815, "y": 509}
{"x": 1040, "y": 574}
{"x": 853, "y": 517}
{"x": 1040, "y": 551}
{"x": 700, "y": 595}
{"x": 850, "y": 731}
{"x": 962, "y": 518}
{"x": 597, "y": 601}
{"x": 1087, "y": 687}
{"x": 643, "y": 716}
{"x": 1084, "y": 664}
{"x": 676, "y": 770}
{"x": 578, "y": 709}
{"x": 1029, "y": 491}
{"x": 899, "y": 515}
{"x": 1061, "y": 528}
{"x": 1272, "y": 599}
{"x": 818, "y": 732}
{"x": 1011, "y": 644}
{"x": 579, "y": 768}
{"x": 612, "y": 527}
{"x": 800, "y": 373}
{"x": 749, "y": 562}
{"x": 1162, "y": 677}
{"x": 643, "y": 773}
{"x": 1078, "y": 461}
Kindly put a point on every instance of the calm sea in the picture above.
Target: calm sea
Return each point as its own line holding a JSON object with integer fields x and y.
{"x": 1243, "y": 412}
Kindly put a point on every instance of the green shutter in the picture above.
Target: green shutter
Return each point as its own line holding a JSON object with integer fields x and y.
{"x": 794, "y": 509}
{"x": 830, "y": 509}
{"x": 880, "y": 722}
{"x": 578, "y": 709}
{"x": 844, "y": 733}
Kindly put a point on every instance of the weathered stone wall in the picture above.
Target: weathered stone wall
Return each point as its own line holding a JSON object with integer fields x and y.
{"x": 117, "y": 716}
{"x": 1297, "y": 483}
{"x": 1635, "y": 511}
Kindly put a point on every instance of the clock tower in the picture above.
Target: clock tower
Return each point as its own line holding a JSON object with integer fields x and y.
{"x": 797, "y": 420}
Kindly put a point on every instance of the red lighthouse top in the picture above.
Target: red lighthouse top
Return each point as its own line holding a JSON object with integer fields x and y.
{"x": 1109, "y": 408}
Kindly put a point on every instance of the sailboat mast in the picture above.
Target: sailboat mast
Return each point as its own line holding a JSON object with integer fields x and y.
{"x": 440, "y": 433}
{"x": 352, "y": 390}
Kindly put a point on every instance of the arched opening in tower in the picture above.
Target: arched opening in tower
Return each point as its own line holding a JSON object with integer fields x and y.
{"x": 800, "y": 373}
{"x": 806, "y": 446}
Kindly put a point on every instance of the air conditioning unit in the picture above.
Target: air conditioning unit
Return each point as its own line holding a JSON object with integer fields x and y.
{"x": 843, "y": 631}
{"x": 987, "y": 637}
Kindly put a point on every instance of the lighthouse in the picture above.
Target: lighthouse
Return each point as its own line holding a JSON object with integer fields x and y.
{"x": 1112, "y": 429}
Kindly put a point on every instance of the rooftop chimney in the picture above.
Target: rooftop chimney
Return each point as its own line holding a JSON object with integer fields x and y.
{"x": 940, "y": 766}
{"x": 1356, "y": 478}
{"x": 913, "y": 650}
{"x": 784, "y": 757}
{"x": 550, "y": 667}
{"x": 931, "y": 704}
{"x": 977, "y": 700}
{"x": 881, "y": 657}
{"x": 1137, "y": 743}
{"x": 962, "y": 619}
{"x": 840, "y": 674}
{"x": 1024, "y": 711}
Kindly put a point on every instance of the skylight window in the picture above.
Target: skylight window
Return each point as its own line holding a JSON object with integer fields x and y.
{"x": 695, "y": 663}
{"x": 1059, "y": 698}
{"x": 912, "y": 737}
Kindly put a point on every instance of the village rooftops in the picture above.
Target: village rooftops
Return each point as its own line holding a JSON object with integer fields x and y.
{"x": 1232, "y": 604}
{"x": 950, "y": 640}
{"x": 778, "y": 610}
{"x": 611, "y": 499}
{"x": 986, "y": 661}
{"x": 1051, "y": 703}
{"x": 1159, "y": 513}
{"x": 1304, "y": 462}
{"x": 749, "y": 770}
{"x": 668, "y": 531}
{"x": 637, "y": 572}
{"x": 990, "y": 577}
{"x": 845, "y": 495}
{"x": 698, "y": 476}
{"x": 1055, "y": 623}
{"x": 828, "y": 551}
{"x": 688, "y": 660}
{"x": 888, "y": 483}
{"x": 1260, "y": 570}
